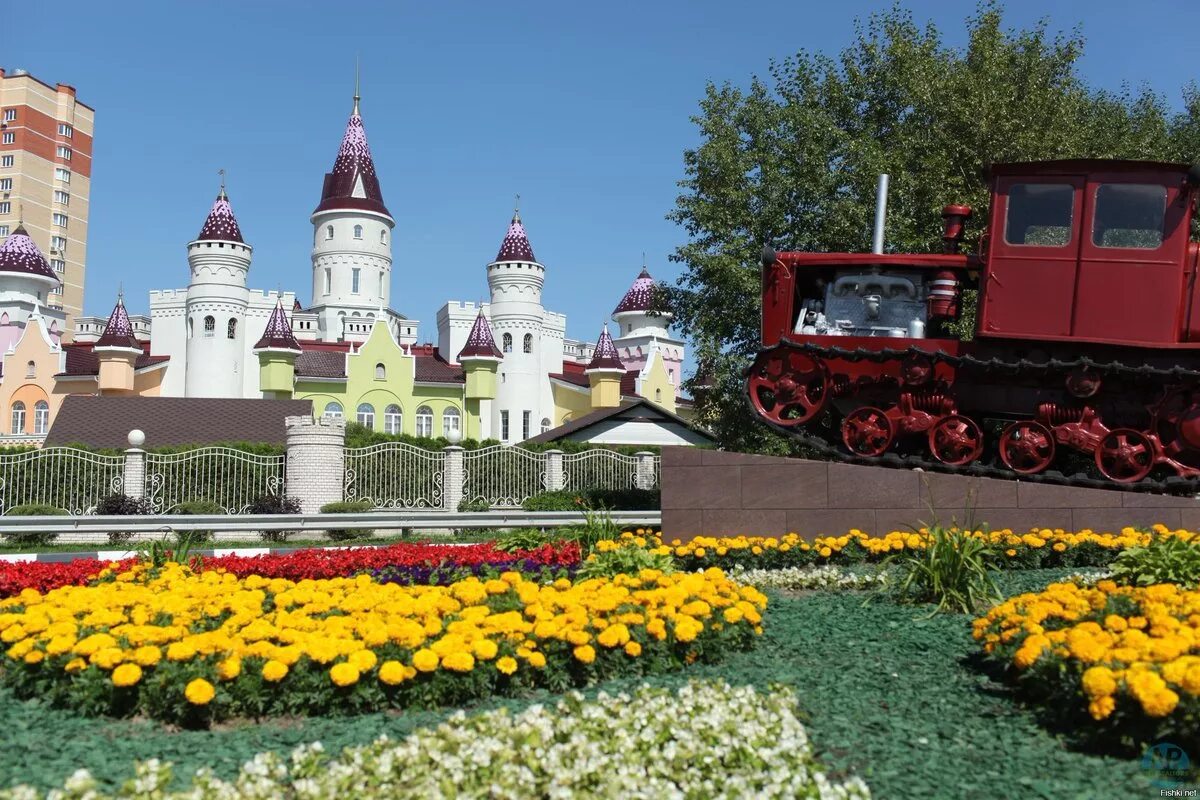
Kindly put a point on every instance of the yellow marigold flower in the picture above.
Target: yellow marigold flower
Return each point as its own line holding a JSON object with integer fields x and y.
{"x": 536, "y": 660}
{"x": 365, "y": 660}
{"x": 506, "y": 665}
{"x": 59, "y": 645}
{"x": 732, "y": 615}
{"x": 199, "y": 692}
{"x": 392, "y": 673}
{"x": 1160, "y": 703}
{"x": 699, "y": 552}
{"x": 459, "y": 662}
{"x": 180, "y": 651}
{"x": 147, "y": 655}
{"x": 825, "y": 552}
{"x": 344, "y": 674}
{"x": 1010, "y": 552}
{"x": 585, "y": 653}
{"x": 229, "y": 668}
{"x": 484, "y": 649}
{"x": 578, "y": 637}
{"x": 274, "y": 671}
{"x": 75, "y": 665}
{"x": 1098, "y": 682}
{"x": 633, "y": 649}
{"x": 1115, "y": 623}
{"x": 1101, "y": 707}
{"x": 1137, "y": 622}
{"x": 34, "y": 657}
{"x": 126, "y": 675}
{"x": 425, "y": 660}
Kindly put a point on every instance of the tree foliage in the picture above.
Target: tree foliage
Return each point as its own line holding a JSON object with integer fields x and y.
{"x": 792, "y": 161}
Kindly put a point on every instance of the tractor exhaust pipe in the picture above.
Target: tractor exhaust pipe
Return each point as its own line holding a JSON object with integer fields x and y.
{"x": 881, "y": 193}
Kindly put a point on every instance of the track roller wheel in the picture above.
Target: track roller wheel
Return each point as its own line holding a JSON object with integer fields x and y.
{"x": 787, "y": 387}
{"x": 956, "y": 440}
{"x": 868, "y": 431}
{"x": 1125, "y": 455}
{"x": 1027, "y": 447}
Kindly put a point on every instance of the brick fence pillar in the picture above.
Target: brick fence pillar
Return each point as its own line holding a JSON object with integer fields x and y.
{"x": 133, "y": 476}
{"x": 316, "y": 461}
{"x": 645, "y": 478}
{"x": 452, "y": 478}
{"x": 555, "y": 479}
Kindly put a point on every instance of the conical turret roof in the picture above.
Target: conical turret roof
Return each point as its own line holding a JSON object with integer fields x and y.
{"x": 19, "y": 254}
{"x": 221, "y": 225}
{"x": 515, "y": 246}
{"x": 119, "y": 330}
{"x": 480, "y": 343}
{"x": 352, "y": 183}
{"x": 605, "y": 356}
{"x": 639, "y": 294}
{"x": 278, "y": 334}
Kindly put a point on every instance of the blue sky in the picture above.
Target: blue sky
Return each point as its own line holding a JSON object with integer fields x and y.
{"x": 581, "y": 108}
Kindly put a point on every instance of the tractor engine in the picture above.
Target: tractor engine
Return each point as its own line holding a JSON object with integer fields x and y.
{"x": 856, "y": 303}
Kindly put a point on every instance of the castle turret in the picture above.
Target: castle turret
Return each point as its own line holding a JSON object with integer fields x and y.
{"x": 117, "y": 352}
{"x": 605, "y": 372}
{"x": 217, "y": 299}
{"x": 641, "y": 332}
{"x": 277, "y": 350}
{"x": 480, "y": 359}
{"x": 25, "y": 282}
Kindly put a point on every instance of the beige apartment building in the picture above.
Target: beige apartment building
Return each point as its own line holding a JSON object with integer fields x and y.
{"x": 46, "y": 176}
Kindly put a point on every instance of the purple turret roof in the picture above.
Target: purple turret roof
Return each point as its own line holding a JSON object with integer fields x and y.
{"x": 20, "y": 254}
{"x": 221, "y": 225}
{"x": 515, "y": 246}
{"x": 480, "y": 343}
{"x": 353, "y": 164}
{"x": 119, "y": 330}
{"x": 278, "y": 334}
{"x": 605, "y": 356}
{"x": 639, "y": 294}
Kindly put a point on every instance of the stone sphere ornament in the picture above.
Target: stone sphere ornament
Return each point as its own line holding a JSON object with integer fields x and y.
{"x": 136, "y": 438}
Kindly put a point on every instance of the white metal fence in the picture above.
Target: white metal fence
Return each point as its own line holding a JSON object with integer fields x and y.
{"x": 65, "y": 477}
{"x": 395, "y": 475}
{"x": 599, "y": 469}
{"x": 233, "y": 479}
{"x": 502, "y": 476}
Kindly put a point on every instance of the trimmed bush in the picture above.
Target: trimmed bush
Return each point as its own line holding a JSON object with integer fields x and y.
{"x": 34, "y": 538}
{"x": 561, "y": 500}
{"x": 196, "y": 508}
{"x": 474, "y": 505}
{"x": 120, "y": 504}
{"x": 274, "y": 504}
{"x": 612, "y": 499}
{"x": 348, "y": 507}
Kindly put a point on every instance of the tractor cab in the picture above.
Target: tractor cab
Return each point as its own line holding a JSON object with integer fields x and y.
{"x": 1093, "y": 251}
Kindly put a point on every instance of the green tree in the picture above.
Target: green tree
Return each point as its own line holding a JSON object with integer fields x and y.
{"x": 792, "y": 160}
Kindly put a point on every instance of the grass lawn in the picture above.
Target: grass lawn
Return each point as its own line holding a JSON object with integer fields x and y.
{"x": 886, "y": 695}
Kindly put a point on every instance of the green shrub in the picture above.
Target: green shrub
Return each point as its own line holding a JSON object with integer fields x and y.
{"x": 120, "y": 504}
{"x": 613, "y": 499}
{"x": 274, "y": 504}
{"x": 195, "y": 508}
{"x": 555, "y": 501}
{"x": 521, "y": 539}
{"x": 348, "y": 507}
{"x": 474, "y": 505}
{"x": 34, "y": 538}
{"x": 628, "y": 560}
{"x": 1164, "y": 560}
{"x": 952, "y": 570}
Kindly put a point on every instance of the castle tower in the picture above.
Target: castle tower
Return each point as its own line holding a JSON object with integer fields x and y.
{"x": 515, "y": 279}
{"x": 25, "y": 283}
{"x": 605, "y": 372}
{"x": 117, "y": 350}
{"x": 217, "y": 299}
{"x": 352, "y": 239}
{"x": 639, "y": 332}
{"x": 480, "y": 359}
{"x": 277, "y": 350}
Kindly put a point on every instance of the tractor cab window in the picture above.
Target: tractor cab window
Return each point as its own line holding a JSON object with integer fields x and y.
{"x": 1129, "y": 215}
{"x": 1039, "y": 214}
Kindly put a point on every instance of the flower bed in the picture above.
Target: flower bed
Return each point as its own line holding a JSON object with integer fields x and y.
{"x": 1127, "y": 657}
{"x": 731, "y": 743}
{"x": 195, "y": 647}
{"x": 822, "y": 577}
{"x": 42, "y": 576}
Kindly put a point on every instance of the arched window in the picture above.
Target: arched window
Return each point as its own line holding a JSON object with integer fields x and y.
{"x": 31, "y": 370}
{"x": 210, "y": 326}
{"x": 190, "y": 326}
{"x": 18, "y": 418}
{"x": 231, "y": 329}
{"x": 328, "y": 231}
{"x": 333, "y": 410}
{"x": 383, "y": 236}
{"x": 393, "y": 419}
{"x": 41, "y": 417}
{"x": 366, "y": 415}
{"x": 358, "y": 231}
{"x": 545, "y": 424}
{"x": 658, "y": 395}
{"x": 450, "y": 421}
{"x": 527, "y": 345}
{"x": 425, "y": 421}
{"x": 380, "y": 372}
{"x": 507, "y": 339}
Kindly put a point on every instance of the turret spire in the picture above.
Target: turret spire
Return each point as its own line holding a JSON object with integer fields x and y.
{"x": 480, "y": 342}
{"x": 515, "y": 246}
{"x": 352, "y": 183}
{"x": 354, "y": 113}
{"x": 221, "y": 225}
{"x": 639, "y": 295}
{"x": 605, "y": 357}
{"x": 118, "y": 332}
{"x": 278, "y": 333}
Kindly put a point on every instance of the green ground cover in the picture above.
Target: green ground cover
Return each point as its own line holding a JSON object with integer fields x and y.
{"x": 886, "y": 694}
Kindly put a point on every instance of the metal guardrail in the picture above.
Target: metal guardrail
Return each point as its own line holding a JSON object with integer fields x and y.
{"x": 379, "y": 520}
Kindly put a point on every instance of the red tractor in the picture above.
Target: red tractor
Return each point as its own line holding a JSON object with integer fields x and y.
{"x": 1085, "y": 363}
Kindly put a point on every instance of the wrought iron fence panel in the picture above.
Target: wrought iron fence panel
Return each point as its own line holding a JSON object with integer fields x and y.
{"x": 503, "y": 476}
{"x": 71, "y": 479}
{"x": 657, "y": 477}
{"x": 599, "y": 469}
{"x": 395, "y": 475}
{"x": 233, "y": 479}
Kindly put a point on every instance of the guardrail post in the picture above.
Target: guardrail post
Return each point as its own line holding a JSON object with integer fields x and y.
{"x": 555, "y": 479}
{"x": 316, "y": 461}
{"x": 452, "y": 478}
{"x": 133, "y": 477}
{"x": 644, "y": 478}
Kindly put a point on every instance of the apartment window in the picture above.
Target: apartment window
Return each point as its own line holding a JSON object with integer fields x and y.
{"x": 527, "y": 344}
{"x": 507, "y": 340}
{"x": 333, "y": 410}
{"x": 18, "y": 418}
{"x": 41, "y": 417}
{"x": 61, "y": 174}
{"x": 450, "y": 421}
{"x": 8, "y": 138}
{"x": 60, "y": 220}
{"x": 380, "y": 372}
{"x": 3, "y": 230}
{"x": 5, "y": 208}
{"x": 31, "y": 370}
{"x": 65, "y": 130}
{"x": 57, "y": 263}
{"x": 62, "y": 198}
{"x": 58, "y": 243}
{"x": 354, "y": 276}
{"x": 392, "y": 419}
{"x": 57, "y": 290}
{"x": 6, "y": 161}
{"x": 210, "y": 326}
{"x": 63, "y": 153}
{"x": 5, "y": 184}
{"x": 525, "y": 425}
{"x": 425, "y": 421}
{"x": 358, "y": 231}
{"x": 328, "y": 280}
{"x": 504, "y": 426}
{"x": 10, "y": 114}
{"x": 366, "y": 415}
{"x": 231, "y": 329}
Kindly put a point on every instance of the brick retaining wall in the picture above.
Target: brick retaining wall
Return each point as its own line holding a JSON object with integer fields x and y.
{"x": 715, "y": 493}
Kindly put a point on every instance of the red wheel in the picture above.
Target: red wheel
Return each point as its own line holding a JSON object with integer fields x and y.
{"x": 956, "y": 440}
{"x": 788, "y": 387}
{"x": 1027, "y": 447}
{"x": 1125, "y": 455}
{"x": 868, "y": 431}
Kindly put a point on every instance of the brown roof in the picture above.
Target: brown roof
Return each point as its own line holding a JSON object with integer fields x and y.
{"x": 107, "y": 421}
{"x": 434, "y": 369}
{"x": 630, "y": 408}
{"x": 81, "y": 361}
{"x": 321, "y": 364}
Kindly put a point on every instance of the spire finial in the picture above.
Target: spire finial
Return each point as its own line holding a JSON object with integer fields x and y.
{"x": 517, "y": 208}
{"x": 121, "y": 293}
{"x": 20, "y": 214}
{"x": 356, "y": 95}
{"x": 222, "y": 195}
{"x": 643, "y": 259}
